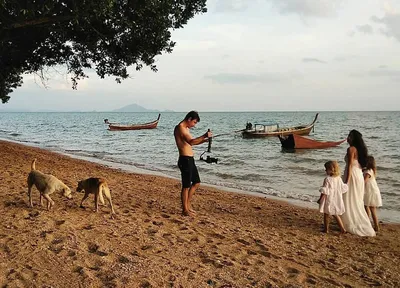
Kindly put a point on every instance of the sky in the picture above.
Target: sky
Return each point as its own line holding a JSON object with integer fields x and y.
{"x": 253, "y": 55}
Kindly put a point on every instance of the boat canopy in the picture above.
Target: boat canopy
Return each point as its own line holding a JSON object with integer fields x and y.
{"x": 266, "y": 127}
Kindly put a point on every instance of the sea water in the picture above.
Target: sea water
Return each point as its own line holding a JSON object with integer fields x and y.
{"x": 257, "y": 166}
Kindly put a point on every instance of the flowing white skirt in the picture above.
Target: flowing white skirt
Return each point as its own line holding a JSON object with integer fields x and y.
{"x": 355, "y": 219}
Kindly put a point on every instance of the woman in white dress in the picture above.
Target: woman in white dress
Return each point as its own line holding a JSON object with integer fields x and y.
{"x": 355, "y": 218}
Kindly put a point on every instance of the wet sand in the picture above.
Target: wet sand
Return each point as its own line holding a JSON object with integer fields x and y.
{"x": 235, "y": 240}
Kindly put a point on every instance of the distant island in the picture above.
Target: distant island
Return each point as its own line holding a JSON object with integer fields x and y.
{"x": 127, "y": 108}
{"x": 137, "y": 108}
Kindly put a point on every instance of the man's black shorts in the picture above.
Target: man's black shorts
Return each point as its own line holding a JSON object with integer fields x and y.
{"x": 189, "y": 172}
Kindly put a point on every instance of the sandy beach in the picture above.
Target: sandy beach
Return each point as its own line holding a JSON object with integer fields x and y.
{"x": 235, "y": 240}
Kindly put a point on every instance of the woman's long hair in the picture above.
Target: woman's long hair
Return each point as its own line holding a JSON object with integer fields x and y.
{"x": 356, "y": 140}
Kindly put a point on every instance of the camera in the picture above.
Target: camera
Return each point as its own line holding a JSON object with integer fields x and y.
{"x": 211, "y": 160}
{"x": 208, "y": 159}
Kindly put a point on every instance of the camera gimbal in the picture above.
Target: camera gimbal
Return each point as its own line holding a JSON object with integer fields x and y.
{"x": 208, "y": 159}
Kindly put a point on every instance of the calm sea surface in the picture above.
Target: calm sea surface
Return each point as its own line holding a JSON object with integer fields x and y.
{"x": 253, "y": 165}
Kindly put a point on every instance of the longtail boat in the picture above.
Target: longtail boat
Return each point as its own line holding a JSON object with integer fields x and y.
{"x": 121, "y": 127}
{"x": 294, "y": 141}
{"x": 268, "y": 130}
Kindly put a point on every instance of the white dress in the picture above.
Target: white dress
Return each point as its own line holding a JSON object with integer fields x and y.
{"x": 372, "y": 196}
{"x": 333, "y": 188}
{"x": 355, "y": 218}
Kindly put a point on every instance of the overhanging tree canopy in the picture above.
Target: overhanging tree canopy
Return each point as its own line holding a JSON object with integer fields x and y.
{"x": 106, "y": 35}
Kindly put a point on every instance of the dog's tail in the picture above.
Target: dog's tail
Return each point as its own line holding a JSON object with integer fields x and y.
{"x": 33, "y": 167}
{"x": 102, "y": 189}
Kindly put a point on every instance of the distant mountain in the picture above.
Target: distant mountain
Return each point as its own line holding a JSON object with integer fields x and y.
{"x": 137, "y": 108}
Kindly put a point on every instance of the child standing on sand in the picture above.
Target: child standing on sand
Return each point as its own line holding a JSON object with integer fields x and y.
{"x": 331, "y": 200}
{"x": 372, "y": 196}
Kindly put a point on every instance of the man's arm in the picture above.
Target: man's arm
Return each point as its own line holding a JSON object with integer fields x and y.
{"x": 195, "y": 141}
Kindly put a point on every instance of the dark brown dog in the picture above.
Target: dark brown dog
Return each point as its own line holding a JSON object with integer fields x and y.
{"x": 46, "y": 184}
{"x": 96, "y": 186}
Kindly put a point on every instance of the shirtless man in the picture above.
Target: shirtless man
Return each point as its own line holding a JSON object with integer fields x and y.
{"x": 190, "y": 175}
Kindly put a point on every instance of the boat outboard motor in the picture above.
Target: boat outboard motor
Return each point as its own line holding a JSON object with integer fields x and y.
{"x": 209, "y": 159}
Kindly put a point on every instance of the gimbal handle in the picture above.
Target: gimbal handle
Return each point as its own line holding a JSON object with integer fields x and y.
{"x": 209, "y": 143}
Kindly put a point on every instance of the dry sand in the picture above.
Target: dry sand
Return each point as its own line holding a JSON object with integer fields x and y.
{"x": 234, "y": 241}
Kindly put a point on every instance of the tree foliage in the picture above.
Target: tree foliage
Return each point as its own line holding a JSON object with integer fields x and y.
{"x": 105, "y": 35}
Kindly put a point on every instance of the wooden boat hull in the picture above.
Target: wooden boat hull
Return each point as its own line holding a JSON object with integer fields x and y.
{"x": 298, "y": 130}
{"x": 121, "y": 127}
{"x": 294, "y": 141}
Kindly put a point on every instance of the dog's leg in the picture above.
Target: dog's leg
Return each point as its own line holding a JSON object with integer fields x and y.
{"x": 83, "y": 199}
{"x": 107, "y": 194}
{"x": 101, "y": 199}
{"x": 40, "y": 199}
{"x": 96, "y": 200}
{"x": 50, "y": 202}
{"x": 30, "y": 195}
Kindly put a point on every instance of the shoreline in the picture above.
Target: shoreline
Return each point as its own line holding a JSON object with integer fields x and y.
{"x": 235, "y": 240}
{"x": 383, "y": 214}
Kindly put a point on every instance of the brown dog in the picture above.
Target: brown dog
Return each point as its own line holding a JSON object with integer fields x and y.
{"x": 96, "y": 186}
{"x": 46, "y": 184}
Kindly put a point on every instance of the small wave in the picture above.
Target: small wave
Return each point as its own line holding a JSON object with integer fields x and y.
{"x": 28, "y": 141}
{"x": 15, "y": 134}
{"x": 374, "y": 137}
{"x": 389, "y": 194}
{"x": 305, "y": 170}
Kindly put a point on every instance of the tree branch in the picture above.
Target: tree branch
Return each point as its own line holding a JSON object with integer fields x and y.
{"x": 35, "y": 22}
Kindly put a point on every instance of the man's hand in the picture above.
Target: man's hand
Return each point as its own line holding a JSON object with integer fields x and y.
{"x": 208, "y": 134}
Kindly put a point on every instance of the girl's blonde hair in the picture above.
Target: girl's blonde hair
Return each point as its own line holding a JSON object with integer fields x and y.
{"x": 334, "y": 167}
{"x": 371, "y": 164}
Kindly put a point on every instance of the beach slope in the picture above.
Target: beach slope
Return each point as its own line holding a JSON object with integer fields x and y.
{"x": 234, "y": 241}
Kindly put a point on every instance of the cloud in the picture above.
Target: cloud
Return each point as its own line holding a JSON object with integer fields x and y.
{"x": 308, "y": 8}
{"x": 346, "y": 57}
{"x": 237, "y": 78}
{"x": 380, "y": 72}
{"x": 231, "y": 5}
{"x": 366, "y": 29}
{"x": 305, "y": 8}
{"x": 313, "y": 60}
{"x": 390, "y": 22}
{"x": 384, "y": 73}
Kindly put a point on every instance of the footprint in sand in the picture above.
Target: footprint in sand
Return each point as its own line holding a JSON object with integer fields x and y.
{"x": 176, "y": 221}
{"x": 94, "y": 249}
{"x": 244, "y": 242}
{"x": 55, "y": 247}
{"x": 269, "y": 255}
{"x": 123, "y": 259}
{"x": 216, "y": 235}
{"x": 59, "y": 222}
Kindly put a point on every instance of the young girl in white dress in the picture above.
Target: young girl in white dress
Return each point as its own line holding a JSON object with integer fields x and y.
{"x": 331, "y": 200}
{"x": 372, "y": 196}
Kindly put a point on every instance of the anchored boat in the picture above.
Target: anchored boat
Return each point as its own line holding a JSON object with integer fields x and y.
{"x": 294, "y": 141}
{"x": 268, "y": 130}
{"x": 120, "y": 127}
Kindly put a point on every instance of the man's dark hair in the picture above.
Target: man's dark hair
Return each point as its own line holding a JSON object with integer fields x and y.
{"x": 193, "y": 115}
